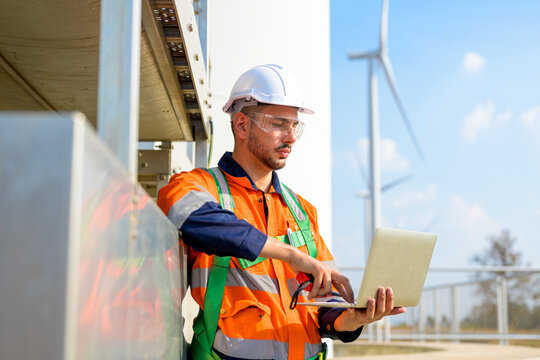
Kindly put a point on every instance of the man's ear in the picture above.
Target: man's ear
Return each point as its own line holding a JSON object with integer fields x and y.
{"x": 241, "y": 125}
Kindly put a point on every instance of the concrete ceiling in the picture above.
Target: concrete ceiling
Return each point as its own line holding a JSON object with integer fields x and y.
{"x": 49, "y": 53}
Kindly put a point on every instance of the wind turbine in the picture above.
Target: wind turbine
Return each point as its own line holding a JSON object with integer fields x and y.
{"x": 376, "y": 58}
{"x": 366, "y": 195}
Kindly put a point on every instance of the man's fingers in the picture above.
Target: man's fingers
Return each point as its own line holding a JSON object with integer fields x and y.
{"x": 343, "y": 292}
{"x": 397, "y": 310}
{"x": 325, "y": 284}
{"x": 320, "y": 289}
{"x": 343, "y": 286}
{"x": 326, "y": 288}
{"x": 389, "y": 300}
{"x": 370, "y": 310}
{"x": 316, "y": 286}
{"x": 323, "y": 278}
{"x": 381, "y": 302}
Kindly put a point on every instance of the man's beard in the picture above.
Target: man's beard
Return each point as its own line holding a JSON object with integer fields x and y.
{"x": 256, "y": 148}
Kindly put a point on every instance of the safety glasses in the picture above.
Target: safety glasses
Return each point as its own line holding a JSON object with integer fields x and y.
{"x": 278, "y": 125}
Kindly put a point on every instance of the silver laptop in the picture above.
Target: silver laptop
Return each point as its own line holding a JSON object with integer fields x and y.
{"x": 398, "y": 259}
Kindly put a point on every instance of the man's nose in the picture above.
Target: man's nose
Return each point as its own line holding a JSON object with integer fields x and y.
{"x": 290, "y": 137}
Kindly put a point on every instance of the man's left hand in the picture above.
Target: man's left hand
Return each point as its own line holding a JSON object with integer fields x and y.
{"x": 351, "y": 319}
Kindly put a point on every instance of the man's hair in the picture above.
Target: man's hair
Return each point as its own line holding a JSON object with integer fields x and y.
{"x": 247, "y": 111}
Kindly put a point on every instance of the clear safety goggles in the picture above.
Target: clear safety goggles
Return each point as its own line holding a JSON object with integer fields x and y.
{"x": 278, "y": 125}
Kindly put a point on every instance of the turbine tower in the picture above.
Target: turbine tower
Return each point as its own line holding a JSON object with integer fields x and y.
{"x": 379, "y": 58}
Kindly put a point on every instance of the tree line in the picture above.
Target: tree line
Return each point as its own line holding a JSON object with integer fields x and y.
{"x": 523, "y": 289}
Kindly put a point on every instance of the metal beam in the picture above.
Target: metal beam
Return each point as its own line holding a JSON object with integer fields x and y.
{"x": 524, "y": 269}
{"x": 194, "y": 52}
{"x": 454, "y": 311}
{"x": 119, "y": 79}
{"x": 165, "y": 64}
{"x": 423, "y": 337}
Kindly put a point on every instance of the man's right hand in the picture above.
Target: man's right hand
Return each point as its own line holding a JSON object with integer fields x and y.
{"x": 323, "y": 275}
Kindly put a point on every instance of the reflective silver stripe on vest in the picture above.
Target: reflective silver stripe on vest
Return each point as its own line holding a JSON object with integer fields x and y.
{"x": 293, "y": 285}
{"x": 199, "y": 278}
{"x": 250, "y": 349}
{"x": 236, "y": 277}
{"x": 227, "y": 204}
{"x": 297, "y": 211}
{"x": 187, "y": 204}
{"x": 239, "y": 277}
{"x": 259, "y": 349}
{"x": 310, "y": 350}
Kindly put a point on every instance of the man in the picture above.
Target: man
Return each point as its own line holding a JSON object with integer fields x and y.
{"x": 242, "y": 210}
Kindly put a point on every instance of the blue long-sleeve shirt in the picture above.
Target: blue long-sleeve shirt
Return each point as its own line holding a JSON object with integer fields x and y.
{"x": 209, "y": 228}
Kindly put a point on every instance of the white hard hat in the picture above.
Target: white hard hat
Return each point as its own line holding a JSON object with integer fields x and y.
{"x": 268, "y": 84}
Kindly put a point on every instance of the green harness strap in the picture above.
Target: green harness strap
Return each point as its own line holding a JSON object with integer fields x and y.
{"x": 298, "y": 238}
{"x": 304, "y": 235}
{"x": 205, "y": 324}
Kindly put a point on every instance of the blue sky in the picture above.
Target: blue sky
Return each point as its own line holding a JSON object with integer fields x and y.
{"x": 468, "y": 73}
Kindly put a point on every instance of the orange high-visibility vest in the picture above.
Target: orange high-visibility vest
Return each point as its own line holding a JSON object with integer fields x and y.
{"x": 255, "y": 320}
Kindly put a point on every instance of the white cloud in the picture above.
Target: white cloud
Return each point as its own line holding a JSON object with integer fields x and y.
{"x": 415, "y": 209}
{"x": 391, "y": 160}
{"x": 464, "y": 228}
{"x": 531, "y": 120}
{"x": 473, "y": 63}
{"x": 504, "y": 117}
{"x": 478, "y": 120}
{"x": 407, "y": 198}
{"x": 470, "y": 218}
{"x": 536, "y": 212}
{"x": 531, "y": 117}
{"x": 482, "y": 118}
{"x": 422, "y": 221}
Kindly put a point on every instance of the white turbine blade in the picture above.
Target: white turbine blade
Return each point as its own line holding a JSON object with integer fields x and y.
{"x": 362, "y": 55}
{"x": 392, "y": 82}
{"x": 384, "y": 27}
{"x": 396, "y": 182}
